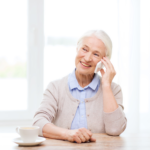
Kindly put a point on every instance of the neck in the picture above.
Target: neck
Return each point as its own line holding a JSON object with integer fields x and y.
{"x": 84, "y": 80}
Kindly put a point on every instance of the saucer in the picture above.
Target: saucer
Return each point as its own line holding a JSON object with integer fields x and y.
{"x": 38, "y": 141}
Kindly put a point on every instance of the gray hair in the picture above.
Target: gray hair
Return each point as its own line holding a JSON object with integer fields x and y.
{"x": 102, "y": 36}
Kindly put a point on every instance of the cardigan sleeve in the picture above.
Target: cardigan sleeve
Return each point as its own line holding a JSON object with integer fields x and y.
{"x": 115, "y": 122}
{"x": 48, "y": 108}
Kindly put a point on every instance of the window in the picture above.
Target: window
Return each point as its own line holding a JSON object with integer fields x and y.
{"x": 21, "y": 48}
{"x": 25, "y": 61}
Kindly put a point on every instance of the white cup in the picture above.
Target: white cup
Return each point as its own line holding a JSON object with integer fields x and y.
{"x": 28, "y": 134}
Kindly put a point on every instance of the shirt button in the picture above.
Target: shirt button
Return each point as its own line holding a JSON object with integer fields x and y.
{"x": 90, "y": 129}
{"x": 86, "y": 100}
{"x": 72, "y": 114}
{"x": 88, "y": 115}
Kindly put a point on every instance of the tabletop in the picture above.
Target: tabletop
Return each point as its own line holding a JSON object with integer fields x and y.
{"x": 139, "y": 141}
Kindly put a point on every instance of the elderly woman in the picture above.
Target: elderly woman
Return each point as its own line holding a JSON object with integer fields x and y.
{"x": 83, "y": 103}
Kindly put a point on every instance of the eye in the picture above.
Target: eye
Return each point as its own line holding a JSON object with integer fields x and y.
{"x": 84, "y": 49}
{"x": 96, "y": 54}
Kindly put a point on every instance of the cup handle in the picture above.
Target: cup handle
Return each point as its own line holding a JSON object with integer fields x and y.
{"x": 17, "y": 130}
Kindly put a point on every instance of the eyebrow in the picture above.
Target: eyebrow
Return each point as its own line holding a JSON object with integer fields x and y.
{"x": 94, "y": 50}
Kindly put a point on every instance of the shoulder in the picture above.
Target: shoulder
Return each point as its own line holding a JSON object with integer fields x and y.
{"x": 54, "y": 85}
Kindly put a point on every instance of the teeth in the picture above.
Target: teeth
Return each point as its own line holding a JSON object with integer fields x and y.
{"x": 84, "y": 65}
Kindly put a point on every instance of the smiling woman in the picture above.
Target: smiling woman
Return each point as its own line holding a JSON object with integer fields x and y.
{"x": 89, "y": 53}
{"x": 90, "y": 50}
{"x": 83, "y": 103}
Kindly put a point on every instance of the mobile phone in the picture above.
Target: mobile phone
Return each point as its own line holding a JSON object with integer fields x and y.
{"x": 99, "y": 66}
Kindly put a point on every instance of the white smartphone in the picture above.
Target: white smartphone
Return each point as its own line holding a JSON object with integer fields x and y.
{"x": 99, "y": 66}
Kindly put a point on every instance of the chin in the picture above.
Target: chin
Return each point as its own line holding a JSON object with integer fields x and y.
{"x": 84, "y": 72}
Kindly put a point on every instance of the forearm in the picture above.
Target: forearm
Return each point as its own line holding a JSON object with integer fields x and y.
{"x": 109, "y": 102}
{"x": 54, "y": 132}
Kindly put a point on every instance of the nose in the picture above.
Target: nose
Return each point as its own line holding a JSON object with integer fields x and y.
{"x": 88, "y": 57}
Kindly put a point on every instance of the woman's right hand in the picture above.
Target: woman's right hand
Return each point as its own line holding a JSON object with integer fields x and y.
{"x": 79, "y": 135}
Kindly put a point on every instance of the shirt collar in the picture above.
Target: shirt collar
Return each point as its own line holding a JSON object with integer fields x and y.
{"x": 73, "y": 83}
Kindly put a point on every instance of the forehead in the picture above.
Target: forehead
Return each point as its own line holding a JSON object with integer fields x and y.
{"x": 93, "y": 43}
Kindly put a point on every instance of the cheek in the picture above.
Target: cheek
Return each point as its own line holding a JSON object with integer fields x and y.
{"x": 80, "y": 55}
{"x": 78, "y": 58}
{"x": 96, "y": 61}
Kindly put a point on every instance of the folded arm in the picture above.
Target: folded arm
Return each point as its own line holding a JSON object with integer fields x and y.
{"x": 114, "y": 117}
{"x": 45, "y": 115}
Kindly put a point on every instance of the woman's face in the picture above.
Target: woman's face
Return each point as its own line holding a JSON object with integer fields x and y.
{"x": 90, "y": 51}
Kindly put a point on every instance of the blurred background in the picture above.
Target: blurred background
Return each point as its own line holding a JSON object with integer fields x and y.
{"x": 38, "y": 44}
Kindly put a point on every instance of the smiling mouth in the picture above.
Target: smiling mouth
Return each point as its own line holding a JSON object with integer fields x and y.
{"x": 85, "y": 64}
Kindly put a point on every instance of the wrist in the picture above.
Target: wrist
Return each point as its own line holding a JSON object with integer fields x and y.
{"x": 65, "y": 135}
{"x": 106, "y": 85}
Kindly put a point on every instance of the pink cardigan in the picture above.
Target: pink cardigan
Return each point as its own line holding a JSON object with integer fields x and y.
{"x": 59, "y": 107}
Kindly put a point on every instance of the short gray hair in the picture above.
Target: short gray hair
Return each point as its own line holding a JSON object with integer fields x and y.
{"x": 100, "y": 34}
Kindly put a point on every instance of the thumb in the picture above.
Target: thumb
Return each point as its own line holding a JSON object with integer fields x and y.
{"x": 92, "y": 139}
{"x": 102, "y": 72}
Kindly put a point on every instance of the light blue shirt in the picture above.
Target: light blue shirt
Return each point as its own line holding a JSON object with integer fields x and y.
{"x": 81, "y": 94}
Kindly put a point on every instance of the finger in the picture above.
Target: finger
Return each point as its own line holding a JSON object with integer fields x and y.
{"x": 82, "y": 138}
{"x": 102, "y": 72}
{"x": 88, "y": 132}
{"x": 109, "y": 63}
{"x": 86, "y": 135}
{"x": 80, "y": 134}
{"x": 71, "y": 140}
{"x": 77, "y": 139}
{"x": 92, "y": 139}
{"x": 105, "y": 64}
